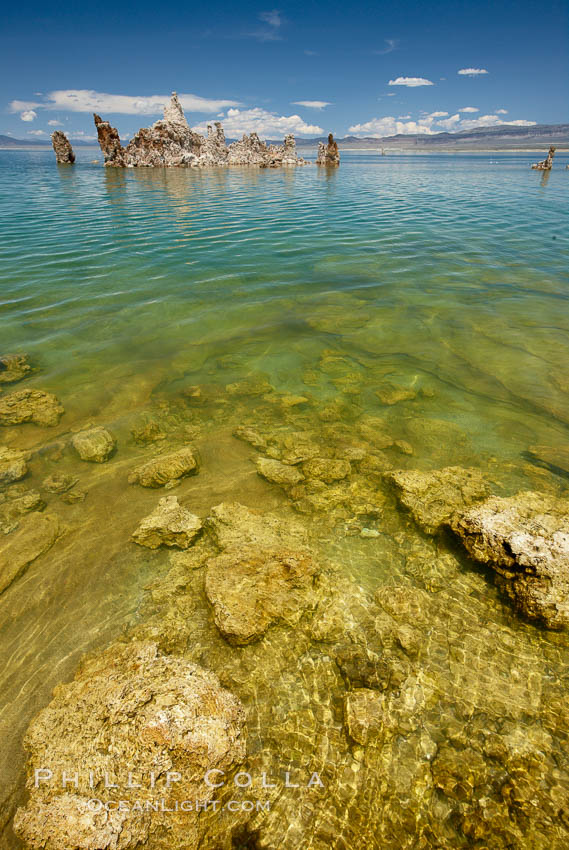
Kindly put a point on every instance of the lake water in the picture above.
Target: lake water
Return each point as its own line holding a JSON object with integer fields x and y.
{"x": 426, "y": 297}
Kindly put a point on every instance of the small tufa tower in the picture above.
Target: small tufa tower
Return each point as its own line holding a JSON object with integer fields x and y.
{"x": 328, "y": 154}
{"x": 546, "y": 164}
{"x": 62, "y": 146}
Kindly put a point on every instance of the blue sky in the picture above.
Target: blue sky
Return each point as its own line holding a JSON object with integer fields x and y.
{"x": 362, "y": 68}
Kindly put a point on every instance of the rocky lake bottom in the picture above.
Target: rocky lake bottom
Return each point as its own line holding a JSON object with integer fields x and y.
{"x": 276, "y": 453}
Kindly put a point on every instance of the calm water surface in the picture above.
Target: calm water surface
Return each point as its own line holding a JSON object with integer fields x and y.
{"x": 428, "y": 293}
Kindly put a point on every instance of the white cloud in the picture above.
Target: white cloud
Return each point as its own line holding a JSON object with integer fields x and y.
{"x": 311, "y": 104}
{"x": 435, "y": 122}
{"x": 472, "y": 72}
{"x": 411, "y": 82}
{"x": 403, "y": 117}
{"x": 469, "y": 109}
{"x": 389, "y": 126}
{"x": 501, "y": 112}
{"x": 449, "y": 124}
{"x": 492, "y": 121}
{"x": 54, "y": 123}
{"x": 87, "y": 100}
{"x": 28, "y": 115}
{"x": 266, "y": 124}
{"x": 36, "y": 132}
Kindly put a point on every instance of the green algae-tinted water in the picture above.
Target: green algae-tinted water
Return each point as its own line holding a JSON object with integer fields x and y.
{"x": 426, "y": 296}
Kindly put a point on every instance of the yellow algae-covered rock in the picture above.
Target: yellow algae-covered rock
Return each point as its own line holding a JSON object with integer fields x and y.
{"x": 36, "y": 534}
{"x": 94, "y": 445}
{"x": 165, "y": 468}
{"x": 169, "y": 525}
{"x": 152, "y": 726}
{"x": 29, "y": 405}
{"x": 249, "y": 588}
{"x": 434, "y": 497}
{"x": 13, "y": 465}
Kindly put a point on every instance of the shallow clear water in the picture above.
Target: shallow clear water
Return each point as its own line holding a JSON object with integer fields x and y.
{"x": 437, "y": 280}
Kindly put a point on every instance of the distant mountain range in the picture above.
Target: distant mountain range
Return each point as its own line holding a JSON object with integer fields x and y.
{"x": 503, "y": 137}
{"x": 11, "y": 142}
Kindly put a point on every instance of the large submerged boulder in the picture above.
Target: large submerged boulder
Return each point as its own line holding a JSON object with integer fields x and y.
{"x": 524, "y": 538}
{"x": 62, "y": 146}
{"x": 434, "y": 497}
{"x": 29, "y": 405}
{"x": 172, "y": 142}
{"x": 151, "y": 725}
{"x": 94, "y": 445}
{"x": 250, "y": 588}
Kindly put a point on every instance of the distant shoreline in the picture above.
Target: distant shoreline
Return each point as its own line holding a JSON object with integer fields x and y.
{"x": 300, "y": 147}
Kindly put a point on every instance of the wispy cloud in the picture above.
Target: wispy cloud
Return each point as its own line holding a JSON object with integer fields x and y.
{"x": 87, "y": 100}
{"x": 501, "y": 112}
{"x": 266, "y": 124}
{"x": 311, "y": 53}
{"x": 391, "y": 44}
{"x": 36, "y": 133}
{"x": 54, "y": 123}
{"x": 271, "y": 32}
{"x": 471, "y": 72}
{"x": 311, "y": 104}
{"x": 411, "y": 82}
{"x": 469, "y": 109}
{"x": 28, "y": 115}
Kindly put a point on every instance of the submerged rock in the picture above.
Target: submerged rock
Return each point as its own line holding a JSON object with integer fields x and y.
{"x": 171, "y": 142}
{"x": 363, "y": 715}
{"x": 233, "y": 525}
{"x": 250, "y": 588}
{"x": 524, "y": 538}
{"x": 35, "y": 535}
{"x": 326, "y": 469}
{"x": 165, "y": 468}
{"x": 13, "y": 465}
{"x": 13, "y": 367}
{"x": 277, "y": 472}
{"x": 29, "y": 405}
{"x": 95, "y": 445}
{"x": 433, "y": 498}
{"x": 328, "y": 154}
{"x": 62, "y": 146}
{"x": 130, "y": 711}
{"x": 169, "y": 525}
{"x": 59, "y": 482}
{"x": 15, "y": 504}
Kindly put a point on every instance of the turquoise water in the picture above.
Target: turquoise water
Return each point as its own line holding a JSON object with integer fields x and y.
{"x": 425, "y": 295}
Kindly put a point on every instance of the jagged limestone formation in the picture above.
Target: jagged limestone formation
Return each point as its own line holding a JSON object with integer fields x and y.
{"x": 547, "y": 163}
{"x": 172, "y": 142}
{"x": 62, "y": 146}
{"x": 14, "y": 367}
{"x": 524, "y": 538}
{"x": 328, "y": 154}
